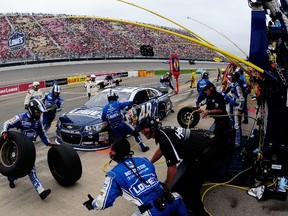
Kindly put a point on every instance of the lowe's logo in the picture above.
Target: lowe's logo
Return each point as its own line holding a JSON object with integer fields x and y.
{"x": 17, "y": 39}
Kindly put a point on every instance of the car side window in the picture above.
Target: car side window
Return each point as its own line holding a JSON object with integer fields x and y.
{"x": 151, "y": 93}
{"x": 141, "y": 97}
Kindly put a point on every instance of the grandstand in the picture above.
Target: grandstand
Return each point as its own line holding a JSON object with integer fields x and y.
{"x": 66, "y": 38}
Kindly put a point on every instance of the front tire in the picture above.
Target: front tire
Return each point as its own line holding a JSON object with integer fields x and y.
{"x": 187, "y": 117}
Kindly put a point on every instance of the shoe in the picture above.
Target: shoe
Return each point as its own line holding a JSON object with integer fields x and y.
{"x": 245, "y": 121}
{"x": 145, "y": 149}
{"x": 237, "y": 145}
{"x": 44, "y": 194}
{"x": 11, "y": 184}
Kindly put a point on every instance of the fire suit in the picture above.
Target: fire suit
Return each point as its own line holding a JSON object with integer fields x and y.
{"x": 112, "y": 113}
{"x": 197, "y": 150}
{"x": 200, "y": 86}
{"x": 239, "y": 100}
{"x": 38, "y": 94}
{"x": 135, "y": 179}
{"x": 53, "y": 105}
{"x": 91, "y": 88}
{"x": 31, "y": 129}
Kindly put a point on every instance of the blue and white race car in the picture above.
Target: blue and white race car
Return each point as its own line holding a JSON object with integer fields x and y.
{"x": 83, "y": 128}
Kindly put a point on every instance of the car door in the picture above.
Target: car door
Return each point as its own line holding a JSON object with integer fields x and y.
{"x": 145, "y": 105}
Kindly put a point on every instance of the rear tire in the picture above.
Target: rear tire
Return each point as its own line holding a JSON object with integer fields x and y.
{"x": 17, "y": 154}
{"x": 185, "y": 119}
{"x": 64, "y": 164}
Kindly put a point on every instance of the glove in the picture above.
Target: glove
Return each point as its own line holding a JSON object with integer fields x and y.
{"x": 88, "y": 203}
{"x": 5, "y": 135}
{"x": 26, "y": 106}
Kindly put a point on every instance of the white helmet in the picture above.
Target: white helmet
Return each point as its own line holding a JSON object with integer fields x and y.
{"x": 93, "y": 76}
{"x": 35, "y": 83}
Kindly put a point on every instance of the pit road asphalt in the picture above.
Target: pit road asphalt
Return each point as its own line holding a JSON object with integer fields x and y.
{"x": 67, "y": 201}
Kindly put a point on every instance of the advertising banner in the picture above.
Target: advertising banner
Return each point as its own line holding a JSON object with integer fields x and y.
{"x": 9, "y": 89}
{"x": 50, "y": 83}
{"x": 76, "y": 79}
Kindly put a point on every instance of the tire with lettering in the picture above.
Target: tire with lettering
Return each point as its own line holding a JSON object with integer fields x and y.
{"x": 64, "y": 164}
{"x": 187, "y": 117}
{"x": 17, "y": 154}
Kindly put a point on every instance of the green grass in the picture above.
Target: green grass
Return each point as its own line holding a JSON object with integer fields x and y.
{"x": 184, "y": 71}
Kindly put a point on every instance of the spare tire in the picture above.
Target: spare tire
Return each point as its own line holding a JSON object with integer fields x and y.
{"x": 187, "y": 118}
{"x": 17, "y": 155}
{"x": 64, "y": 164}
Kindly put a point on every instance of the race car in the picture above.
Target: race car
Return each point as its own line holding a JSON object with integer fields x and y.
{"x": 108, "y": 81}
{"x": 83, "y": 128}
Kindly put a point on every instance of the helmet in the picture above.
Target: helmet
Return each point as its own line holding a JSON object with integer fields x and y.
{"x": 235, "y": 76}
{"x": 35, "y": 83}
{"x": 148, "y": 122}
{"x": 122, "y": 149}
{"x": 36, "y": 105}
{"x": 205, "y": 75}
{"x": 56, "y": 90}
{"x": 112, "y": 96}
{"x": 93, "y": 77}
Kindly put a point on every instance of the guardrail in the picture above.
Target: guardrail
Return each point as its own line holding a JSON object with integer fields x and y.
{"x": 16, "y": 88}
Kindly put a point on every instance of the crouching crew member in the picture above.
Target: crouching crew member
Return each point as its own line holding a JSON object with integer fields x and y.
{"x": 190, "y": 156}
{"x": 135, "y": 179}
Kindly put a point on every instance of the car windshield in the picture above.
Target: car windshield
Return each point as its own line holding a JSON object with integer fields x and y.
{"x": 101, "y": 100}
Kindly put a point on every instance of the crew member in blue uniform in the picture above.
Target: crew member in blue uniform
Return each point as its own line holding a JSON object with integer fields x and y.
{"x": 166, "y": 81}
{"x": 136, "y": 180}
{"x": 112, "y": 113}
{"x": 238, "y": 97}
{"x": 54, "y": 103}
{"x": 200, "y": 86}
{"x": 31, "y": 125}
{"x": 190, "y": 156}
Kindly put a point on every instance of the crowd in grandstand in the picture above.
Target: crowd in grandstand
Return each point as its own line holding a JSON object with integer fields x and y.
{"x": 61, "y": 36}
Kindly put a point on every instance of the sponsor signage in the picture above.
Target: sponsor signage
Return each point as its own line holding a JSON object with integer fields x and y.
{"x": 50, "y": 83}
{"x": 16, "y": 42}
{"x": 76, "y": 79}
{"x": 9, "y": 89}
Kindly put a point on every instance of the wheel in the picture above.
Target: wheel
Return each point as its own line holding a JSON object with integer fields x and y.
{"x": 161, "y": 111}
{"x": 101, "y": 85}
{"x": 17, "y": 155}
{"x": 64, "y": 164}
{"x": 187, "y": 118}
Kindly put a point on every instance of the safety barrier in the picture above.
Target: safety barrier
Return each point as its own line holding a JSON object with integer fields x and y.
{"x": 16, "y": 88}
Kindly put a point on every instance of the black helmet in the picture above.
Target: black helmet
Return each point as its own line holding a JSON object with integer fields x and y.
{"x": 148, "y": 122}
{"x": 235, "y": 76}
{"x": 36, "y": 105}
{"x": 122, "y": 149}
{"x": 112, "y": 96}
{"x": 205, "y": 75}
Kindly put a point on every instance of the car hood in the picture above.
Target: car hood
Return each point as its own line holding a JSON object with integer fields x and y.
{"x": 82, "y": 116}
